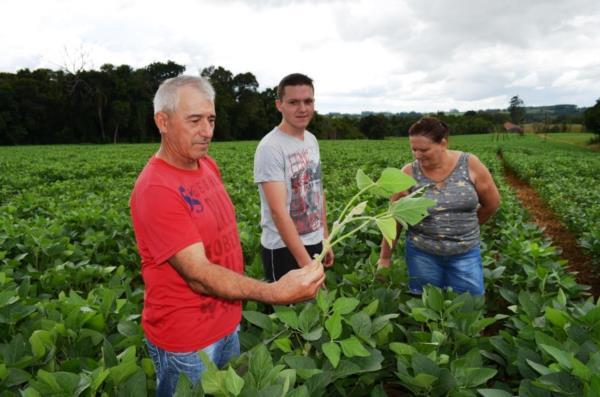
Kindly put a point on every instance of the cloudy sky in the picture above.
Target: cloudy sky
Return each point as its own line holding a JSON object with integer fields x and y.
{"x": 377, "y": 55}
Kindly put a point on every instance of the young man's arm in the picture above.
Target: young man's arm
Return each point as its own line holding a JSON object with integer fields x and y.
{"x": 275, "y": 193}
{"x": 205, "y": 277}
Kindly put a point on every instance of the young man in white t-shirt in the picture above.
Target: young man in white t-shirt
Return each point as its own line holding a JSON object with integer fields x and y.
{"x": 287, "y": 169}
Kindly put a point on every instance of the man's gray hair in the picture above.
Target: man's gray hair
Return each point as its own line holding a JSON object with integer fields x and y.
{"x": 166, "y": 98}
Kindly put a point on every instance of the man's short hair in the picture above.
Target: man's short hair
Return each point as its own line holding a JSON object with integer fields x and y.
{"x": 293, "y": 79}
{"x": 166, "y": 98}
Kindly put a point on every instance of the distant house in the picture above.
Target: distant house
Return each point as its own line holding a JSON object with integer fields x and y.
{"x": 510, "y": 127}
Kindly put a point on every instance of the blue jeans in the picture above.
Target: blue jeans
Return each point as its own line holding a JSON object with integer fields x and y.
{"x": 461, "y": 272}
{"x": 169, "y": 365}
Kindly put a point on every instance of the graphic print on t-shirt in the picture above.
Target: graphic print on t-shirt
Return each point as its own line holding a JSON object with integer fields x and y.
{"x": 305, "y": 204}
{"x": 192, "y": 201}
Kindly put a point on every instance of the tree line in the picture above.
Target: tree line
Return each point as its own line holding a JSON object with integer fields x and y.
{"x": 114, "y": 104}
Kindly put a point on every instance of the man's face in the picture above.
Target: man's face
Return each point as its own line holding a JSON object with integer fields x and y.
{"x": 188, "y": 130}
{"x": 297, "y": 106}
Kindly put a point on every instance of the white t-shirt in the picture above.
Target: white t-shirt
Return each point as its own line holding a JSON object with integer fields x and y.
{"x": 296, "y": 162}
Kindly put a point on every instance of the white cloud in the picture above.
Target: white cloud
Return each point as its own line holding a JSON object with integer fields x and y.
{"x": 394, "y": 55}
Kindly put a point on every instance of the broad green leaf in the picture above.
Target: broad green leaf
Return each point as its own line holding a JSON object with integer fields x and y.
{"x": 541, "y": 369}
{"x": 423, "y": 314}
{"x": 98, "y": 377}
{"x": 412, "y": 210}
{"x": 556, "y": 317}
{"x": 128, "y": 328}
{"x": 393, "y": 180}
{"x": 8, "y": 297}
{"x": 313, "y": 335}
{"x": 361, "y": 325}
{"x": 40, "y": 341}
{"x": 362, "y": 179}
{"x": 580, "y": 370}
{"x": 352, "y": 347}
{"x": 287, "y": 315}
{"x": 308, "y": 318}
{"x": 324, "y": 299}
{"x": 333, "y": 325}
{"x": 494, "y": 393}
{"x": 121, "y": 372}
{"x": 402, "y": 348}
{"x": 213, "y": 382}
{"x": 432, "y": 298}
{"x": 259, "y": 319}
{"x": 284, "y": 344}
{"x": 424, "y": 380}
{"x": 3, "y": 372}
{"x": 332, "y": 352}
{"x": 563, "y": 358}
{"x": 260, "y": 364}
{"x": 387, "y": 226}
{"x": 233, "y": 382}
{"x": 134, "y": 386}
{"x": 380, "y": 322}
{"x": 183, "y": 387}
{"x": 478, "y": 376}
{"x": 371, "y": 308}
{"x": 108, "y": 354}
{"x": 305, "y": 366}
{"x": 345, "y": 305}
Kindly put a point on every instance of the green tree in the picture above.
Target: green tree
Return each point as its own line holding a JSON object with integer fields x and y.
{"x": 516, "y": 109}
{"x": 592, "y": 119}
{"x": 375, "y": 126}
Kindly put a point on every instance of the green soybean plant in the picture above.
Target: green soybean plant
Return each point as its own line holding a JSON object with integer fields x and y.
{"x": 408, "y": 210}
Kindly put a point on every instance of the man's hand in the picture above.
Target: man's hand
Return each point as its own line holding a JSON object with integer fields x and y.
{"x": 299, "y": 284}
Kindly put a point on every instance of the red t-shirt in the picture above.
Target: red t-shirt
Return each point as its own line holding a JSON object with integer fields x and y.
{"x": 172, "y": 208}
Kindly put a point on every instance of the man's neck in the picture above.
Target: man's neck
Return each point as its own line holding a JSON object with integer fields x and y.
{"x": 289, "y": 130}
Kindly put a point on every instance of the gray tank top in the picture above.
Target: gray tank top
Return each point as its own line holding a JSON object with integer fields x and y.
{"x": 452, "y": 226}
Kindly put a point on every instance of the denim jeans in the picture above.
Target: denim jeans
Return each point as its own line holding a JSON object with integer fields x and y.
{"x": 169, "y": 365}
{"x": 461, "y": 272}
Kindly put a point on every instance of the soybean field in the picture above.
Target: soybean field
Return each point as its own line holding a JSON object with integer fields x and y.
{"x": 71, "y": 293}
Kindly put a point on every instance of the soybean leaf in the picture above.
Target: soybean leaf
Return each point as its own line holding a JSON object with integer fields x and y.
{"x": 362, "y": 179}
{"x": 361, "y": 325}
{"x": 345, "y": 305}
{"x": 387, "y": 226}
{"x": 287, "y": 315}
{"x": 352, "y": 347}
{"x": 309, "y": 317}
{"x": 332, "y": 352}
{"x": 333, "y": 325}
{"x": 411, "y": 210}
{"x": 284, "y": 344}
{"x": 402, "y": 349}
{"x": 213, "y": 382}
{"x": 233, "y": 382}
{"x": 313, "y": 335}
{"x": 556, "y": 317}
{"x": 477, "y": 376}
{"x": 494, "y": 393}
{"x": 563, "y": 358}
{"x": 393, "y": 180}
{"x": 259, "y": 319}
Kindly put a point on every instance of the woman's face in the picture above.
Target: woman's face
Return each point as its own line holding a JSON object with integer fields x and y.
{"x": 427, "y": 151}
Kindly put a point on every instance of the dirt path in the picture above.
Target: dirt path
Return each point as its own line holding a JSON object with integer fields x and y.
{"x": 544, "y": 217}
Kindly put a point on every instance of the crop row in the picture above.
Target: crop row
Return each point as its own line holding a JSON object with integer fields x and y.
{"x": 71, "y": 295}
{"x": 566, "y": 176}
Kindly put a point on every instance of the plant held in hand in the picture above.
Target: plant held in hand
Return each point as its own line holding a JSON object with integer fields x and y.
{"x": 408, "y": 210}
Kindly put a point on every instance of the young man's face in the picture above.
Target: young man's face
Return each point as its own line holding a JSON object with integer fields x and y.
{"x": 297, "y": 107}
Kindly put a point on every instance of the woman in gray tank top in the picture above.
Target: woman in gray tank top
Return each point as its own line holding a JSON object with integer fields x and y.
{"x": 443, "y": 250}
